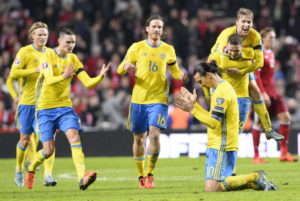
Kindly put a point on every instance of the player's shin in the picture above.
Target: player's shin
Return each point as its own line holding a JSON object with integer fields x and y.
{"x": 78, "y": 159}
{"x": 151, "y": 161}
{"x": 48, "y": 165}
{"x": 239, "y": 182}
{"x": 20, "y": 157}
{"x": 262, "y": 112}
{"x": 38, "y": 160}
{"x": 140, "y": 163}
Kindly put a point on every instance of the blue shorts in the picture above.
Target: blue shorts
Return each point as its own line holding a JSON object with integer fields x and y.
{"x": 141, "y": 116}
{"x": 219, "y": 164}
{"x": 25, "y": 120}
{"x": 252, "y": 76}
{"x": 244, "y": 108}
{"x": 62, "y": 118}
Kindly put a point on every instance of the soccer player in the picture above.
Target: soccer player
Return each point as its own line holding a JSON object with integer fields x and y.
{"x": 239, "y": 82}
{"x": 54, "y": 106}
{"x": 251, "y": 39}
{"x": 149, "y": 109}
{"x": 25, "y": 69}
{"x": 222, "y": 133}
{"x": 277, "y": 106}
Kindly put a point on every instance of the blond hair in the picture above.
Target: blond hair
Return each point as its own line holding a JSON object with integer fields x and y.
{"x": 36, "y": 26}
{"x": 244, "y": 11}
{"x": 265, "y": 31}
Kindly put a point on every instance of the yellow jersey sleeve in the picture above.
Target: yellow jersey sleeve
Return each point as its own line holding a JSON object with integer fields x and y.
{"x": 173, "y": 65}
{"x": 10, "y": 86}
{"x": 129, "y": 58}
{"x": 20, "y": 63}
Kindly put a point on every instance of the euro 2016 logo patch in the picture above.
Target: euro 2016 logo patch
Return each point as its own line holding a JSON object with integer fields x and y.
{"x": 17, "y": 61}
{"x": 220, "y": 101}
{"x": 163, "y": 56}
{"x": 45, "y": 65}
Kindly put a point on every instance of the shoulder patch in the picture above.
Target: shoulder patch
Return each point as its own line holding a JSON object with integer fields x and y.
{"x": 17, "y": 61}
{"x": 220, "y": 101}
{"x": 45, "y": 65}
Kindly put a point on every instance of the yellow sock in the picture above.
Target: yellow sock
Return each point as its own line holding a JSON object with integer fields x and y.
{"x": 48, "y": 165}
{"x": 31, "y": 149}
{"x": 262, "y": 112}
{"x": 78, "y": 159}
{"x": 151, "y": 161}
{"x": 38, "y": 160}
{"x": 139, "y": 163}
{"x": 239, "y": 182}
{"x": 20, "y": 157}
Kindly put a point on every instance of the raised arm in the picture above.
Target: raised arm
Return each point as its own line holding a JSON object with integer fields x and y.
{"x": 89, "y": 82}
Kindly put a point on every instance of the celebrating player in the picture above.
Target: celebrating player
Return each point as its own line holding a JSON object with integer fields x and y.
{"x": 149, "y": 109}
{"x": 54, "y": 106}
{"x": 222, "y": 133}
{"x": 25, "y": 69}
{"x": 277, "y": 106}
{"x": 251, "y": 39}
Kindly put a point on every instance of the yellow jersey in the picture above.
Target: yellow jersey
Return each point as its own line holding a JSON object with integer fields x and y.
{"x": 23, "y": 69}
{"x": 240, "y": 83}
{"x": 151, "y": 64}
{"x": 226, "y": 135}
{"x": 253, "y": 40}
{"x": 52, "y": 90}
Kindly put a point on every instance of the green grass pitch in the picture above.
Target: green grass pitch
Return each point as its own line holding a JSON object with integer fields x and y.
{"x": 175, "y": 179}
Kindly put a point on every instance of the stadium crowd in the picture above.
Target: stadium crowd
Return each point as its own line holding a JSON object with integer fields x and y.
{"x": 105, "y": 29}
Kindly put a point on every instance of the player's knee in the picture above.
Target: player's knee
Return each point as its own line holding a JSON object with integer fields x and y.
{"x": 139, "y": 140}
{"x": 154, "y": 138}
{"x": 25, "y": 140}
{"x": 48, "y": 152}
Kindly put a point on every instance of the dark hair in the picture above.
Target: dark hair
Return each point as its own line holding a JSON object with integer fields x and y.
{"x": 235, "y": 39}
{"x": 154, "y": 17}
{"x": 244, "y": 11}
{"x": 265, "y": 31}
{"x": 210, "y": 67}
{"x": 65, "y": 31}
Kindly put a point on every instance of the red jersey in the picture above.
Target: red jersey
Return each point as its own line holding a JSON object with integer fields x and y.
{"x": 265, "y": 76}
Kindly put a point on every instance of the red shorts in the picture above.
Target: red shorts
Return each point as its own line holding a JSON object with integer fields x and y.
{"x": 277, "y": 105}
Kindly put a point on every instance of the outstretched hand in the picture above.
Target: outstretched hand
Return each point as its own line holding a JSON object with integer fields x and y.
{"x": 188, "y": 95}
{"x": 69, "y": 72}
{"x": 104, "y": 69}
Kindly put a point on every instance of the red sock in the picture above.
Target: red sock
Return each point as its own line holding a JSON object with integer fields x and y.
{"x": 256, "y": 137}
{"x": 284, "y": 129}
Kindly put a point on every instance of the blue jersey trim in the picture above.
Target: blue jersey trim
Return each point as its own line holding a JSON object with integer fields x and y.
{"x": 76, "y": 146}
{"x": 20, "y": 147}
{"x": 153, "y": 45}
{"x": 258, "y": 102}
{"x": 139, "y": 159}
{"x": 38, "y": 49}
{"x": 59, "y": 55}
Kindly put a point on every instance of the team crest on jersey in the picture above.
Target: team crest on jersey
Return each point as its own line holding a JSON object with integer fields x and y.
{"x": 45, "y": 65}
{"x": 36, "y": 60}
{"x": 220, "y": 101}
{"x": 55, "y": 66}
{"x": 163, "y": 56}
{"x": 17, "y": 61}
{"x": 144, "y": 54}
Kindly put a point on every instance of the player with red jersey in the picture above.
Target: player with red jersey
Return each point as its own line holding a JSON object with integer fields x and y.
{"x": 274, "y": 101}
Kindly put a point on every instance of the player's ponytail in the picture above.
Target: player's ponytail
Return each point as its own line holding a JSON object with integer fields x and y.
{"x": 210, "y": 67}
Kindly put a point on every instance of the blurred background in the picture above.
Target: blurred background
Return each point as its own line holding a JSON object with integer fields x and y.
{"x": 106, "y": 28}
